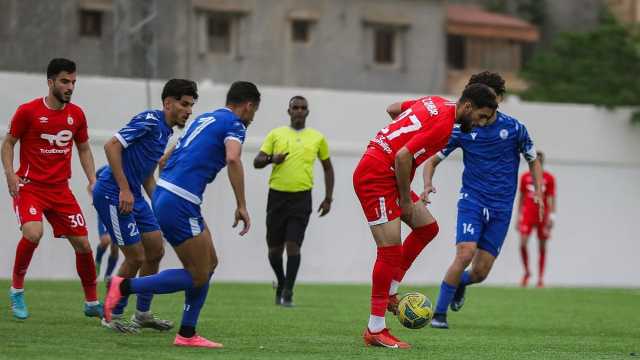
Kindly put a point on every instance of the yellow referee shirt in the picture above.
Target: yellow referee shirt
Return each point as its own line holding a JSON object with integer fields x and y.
{"x": 295, "y": 173}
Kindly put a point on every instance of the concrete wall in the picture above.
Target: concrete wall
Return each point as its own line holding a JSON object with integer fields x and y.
{"x": 592, "y": 152}
{"x": 339, "y": 54}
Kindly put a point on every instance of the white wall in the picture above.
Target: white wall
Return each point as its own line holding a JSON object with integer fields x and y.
{"x": 593, "y": 153}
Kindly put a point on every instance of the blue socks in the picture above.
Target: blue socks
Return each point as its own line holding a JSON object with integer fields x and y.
{"x": 444, "y": 298}
{"x": 100, "y": 253}
{"x": 194, "y": 299}
{"x": 144, "y": 302}
{"x": 465, "y": 279}
{"x": 164, "y": 282}
{"x": 119, "y": 309}
{"x": 111, "y": 264}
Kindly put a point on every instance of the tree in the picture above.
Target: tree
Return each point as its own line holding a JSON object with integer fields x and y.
{"x": 600, "y": 67}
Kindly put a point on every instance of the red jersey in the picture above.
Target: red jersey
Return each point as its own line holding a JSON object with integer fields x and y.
{"x": 424, "y": 128}
{"x": 527, "y": 188}
{"x": 46, "y": 140}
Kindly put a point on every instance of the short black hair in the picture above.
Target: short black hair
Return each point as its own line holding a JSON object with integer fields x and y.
{"x": 243, "y": 91}
{"x": 177, "y": 88}
{"x": 491, "y": 79}
{"x": 297, "y": 97}
{"x": 58, "y": 65}
{"x": 480, "y": 96}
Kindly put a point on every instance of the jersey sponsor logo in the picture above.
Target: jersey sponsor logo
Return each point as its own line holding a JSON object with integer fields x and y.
{"x": 61, "y": 139}
{"x": 43, "y": 119}
{"x": 431, "y": 107}
{"x": 473, "y": 135}
{"x": 54, "y": 151}
{"x": 504, "y": 134}
{"x": 380, "y": 141}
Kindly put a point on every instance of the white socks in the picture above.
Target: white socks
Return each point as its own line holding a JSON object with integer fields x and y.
{"x": 393, "y": 289}
{"x": 376, "y": 323}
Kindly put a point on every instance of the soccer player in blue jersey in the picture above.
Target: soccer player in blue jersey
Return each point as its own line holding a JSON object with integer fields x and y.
{"x": 133, "y": 154}
{"x": 491, "y": 156}
{"x": 105, "y": 243}
{"x": 211, "y": 141}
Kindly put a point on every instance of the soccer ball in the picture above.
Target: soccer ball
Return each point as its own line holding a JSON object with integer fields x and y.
{"x": 415, "y": 310}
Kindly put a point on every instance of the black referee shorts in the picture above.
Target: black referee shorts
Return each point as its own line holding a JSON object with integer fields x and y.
{"x": 287, "y": 216}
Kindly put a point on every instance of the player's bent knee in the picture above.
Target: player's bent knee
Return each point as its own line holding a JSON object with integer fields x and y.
{"x": 154, "y": 257}
{"x": 200, "y": 278}
{"x": 32, "y": 233}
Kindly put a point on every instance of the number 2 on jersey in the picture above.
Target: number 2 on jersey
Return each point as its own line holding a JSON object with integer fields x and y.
{"x": 415, "y": 125}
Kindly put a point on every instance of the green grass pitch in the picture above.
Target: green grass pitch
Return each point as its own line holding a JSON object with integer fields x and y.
{"x": 328, "y": 321}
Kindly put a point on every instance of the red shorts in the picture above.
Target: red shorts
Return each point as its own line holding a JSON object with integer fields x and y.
{"x": 58, "y": 205}
{"x": 529, "y": 219}
{"x": 377, "y": 190}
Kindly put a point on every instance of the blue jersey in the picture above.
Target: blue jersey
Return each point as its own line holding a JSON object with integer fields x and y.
{"x": 100, "y": 170}
{"x": 491, "y": 157}
{"x": 200, "y": 154}
{"x": 144, "y": 140}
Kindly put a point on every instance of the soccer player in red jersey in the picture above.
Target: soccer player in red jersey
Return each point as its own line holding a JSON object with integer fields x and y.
{"x": 46, "y": 128}
{"x": 382, "y": 182}
{"x": 528, "y": 211}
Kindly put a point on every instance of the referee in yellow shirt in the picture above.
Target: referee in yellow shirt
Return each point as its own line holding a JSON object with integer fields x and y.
{"x": 292, "y": 150}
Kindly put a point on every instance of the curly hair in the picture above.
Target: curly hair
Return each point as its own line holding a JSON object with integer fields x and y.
{"x": 491, "y": 79}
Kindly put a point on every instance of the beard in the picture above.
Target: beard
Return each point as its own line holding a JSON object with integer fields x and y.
{"x": 58, "y": 95}
{"x": 466, "y": 123}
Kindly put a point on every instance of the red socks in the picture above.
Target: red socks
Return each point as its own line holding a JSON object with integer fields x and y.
{"x": 24, "y": 252}
{"x": 524, "y": 254}
{"x": 541, "y": 261}
{"x": 86, "y": 267}
{"x": 386, "y": 266}
{"x": 417, "y": 240}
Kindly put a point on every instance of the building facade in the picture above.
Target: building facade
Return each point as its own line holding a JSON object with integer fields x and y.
{"x": 372, "y": 45}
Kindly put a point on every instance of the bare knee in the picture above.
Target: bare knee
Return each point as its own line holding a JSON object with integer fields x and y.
{"x": 199, "y": 277}
{"x": 478, "y": 275}
{"x": 464, "y": 255}
{"x": 135, "y": 261}
{"x": 214, "y": 263}
{"x": 32, "y": 234}
{"x": 80, "y": 244}
{"x": 155, "y": 256}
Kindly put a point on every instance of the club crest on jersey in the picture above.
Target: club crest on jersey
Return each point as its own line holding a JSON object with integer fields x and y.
{"x": 33, "y": 211}
{"x": 504, "y": 134}
{"x": 70, "y": 120}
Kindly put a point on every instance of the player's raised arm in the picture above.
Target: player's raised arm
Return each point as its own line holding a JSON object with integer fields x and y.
{"x": 13, "y": 180}
{"x": 236, "y": 177}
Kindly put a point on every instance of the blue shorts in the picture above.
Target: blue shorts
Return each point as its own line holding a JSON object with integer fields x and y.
{"x": 486, "y": 227}
{"x": 124, "y": 229}
{"x": 102, "y": 230}
{"x": 179, "y": 219}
